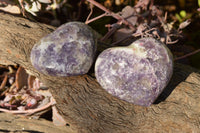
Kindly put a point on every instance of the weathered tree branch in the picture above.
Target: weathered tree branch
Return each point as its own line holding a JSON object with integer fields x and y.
{"x": 87, "y": 107}
{"x": 15, "y": 124}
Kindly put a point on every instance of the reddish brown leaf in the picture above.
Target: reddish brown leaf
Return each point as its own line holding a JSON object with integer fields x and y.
{"x": 21, "y": 78}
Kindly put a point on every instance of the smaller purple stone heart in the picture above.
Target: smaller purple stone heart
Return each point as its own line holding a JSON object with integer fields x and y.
{"x": 68, "y": 51}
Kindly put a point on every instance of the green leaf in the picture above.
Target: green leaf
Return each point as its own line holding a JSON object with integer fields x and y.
{"x": 178, "y": 17}
{"x": 199, "y": 3}
{"x": 183, "y": 13}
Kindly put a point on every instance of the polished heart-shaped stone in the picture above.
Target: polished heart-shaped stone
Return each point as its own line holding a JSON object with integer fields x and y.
{"x": 137, "y": 73}
{"x": 68, "y": 51}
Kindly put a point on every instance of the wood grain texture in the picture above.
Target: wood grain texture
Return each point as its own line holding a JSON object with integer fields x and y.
{"x": 88, "y": 108}
{"x": 16, "y": 124}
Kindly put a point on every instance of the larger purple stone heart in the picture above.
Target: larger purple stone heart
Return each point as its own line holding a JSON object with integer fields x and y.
{"x": 68, "y": 51}
{"x": 137, "y": 73}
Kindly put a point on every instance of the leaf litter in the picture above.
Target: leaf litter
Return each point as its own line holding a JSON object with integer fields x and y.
{"x": 26, "y": 95}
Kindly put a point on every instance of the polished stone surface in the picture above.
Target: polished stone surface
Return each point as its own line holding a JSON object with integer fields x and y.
{"x": 67, "y": 51}
{"x": 137, "y": 73}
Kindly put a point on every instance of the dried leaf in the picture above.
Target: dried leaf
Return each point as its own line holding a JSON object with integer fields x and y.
{"x": 121, "y": 34}
{"x": 31, "y": 80}
{"x": 45, "y": 1}
{"x": 58, "y": 120}
{"x": 128, "y": 14}
{"x": 184, "y": 24}
{"x": 11, "y": 9}
{"x": 35, "y": 7}
{"x": 127, "y": 11}
{"x": 21, "y": 78}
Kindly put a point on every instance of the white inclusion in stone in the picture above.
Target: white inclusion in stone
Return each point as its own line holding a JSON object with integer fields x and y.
{"x": 122, "y": 64}
{"x": 43, "y": 47}
{"x": 108, "y": 81}
{"x": 138, "y": 50}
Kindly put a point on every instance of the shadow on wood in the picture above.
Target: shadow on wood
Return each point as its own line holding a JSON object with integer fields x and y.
{"x": 180, "y": 74}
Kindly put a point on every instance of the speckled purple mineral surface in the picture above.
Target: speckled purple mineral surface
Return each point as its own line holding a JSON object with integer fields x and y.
{"x": 137, "y": 73}
{"x": 67, "y": 51}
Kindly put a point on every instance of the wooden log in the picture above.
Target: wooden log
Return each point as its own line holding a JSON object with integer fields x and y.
{"x": 16, "y": 124}
{"x": 89, "y": 108}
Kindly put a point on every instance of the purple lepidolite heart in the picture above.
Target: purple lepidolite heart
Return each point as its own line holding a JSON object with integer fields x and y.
{"x": 137, "y": 73}
{"x": 67, "y": 51}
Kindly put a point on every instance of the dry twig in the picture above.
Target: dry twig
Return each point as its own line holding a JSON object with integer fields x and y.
{"x": 108, "y": 13}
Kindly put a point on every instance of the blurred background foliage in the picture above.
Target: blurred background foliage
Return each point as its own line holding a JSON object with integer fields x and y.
{"x": 57, "y": 12}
